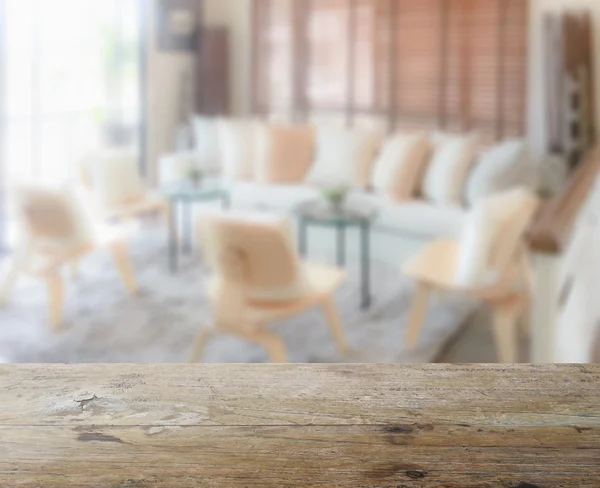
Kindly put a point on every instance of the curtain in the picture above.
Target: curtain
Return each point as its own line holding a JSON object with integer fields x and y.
{"x": 570, "y": 85}
{"x": 72, "y": 73}
{"x": 447, "y": 64}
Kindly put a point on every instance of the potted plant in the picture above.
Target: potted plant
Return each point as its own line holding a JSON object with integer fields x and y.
{"x": 336, "y": 197}
{"x": 195, "y": 176}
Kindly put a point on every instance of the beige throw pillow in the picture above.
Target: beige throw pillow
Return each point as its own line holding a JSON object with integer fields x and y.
{"x": 453, "y": 158}
{"x": 401, "y": 164}
{"x": 289, "y": 154}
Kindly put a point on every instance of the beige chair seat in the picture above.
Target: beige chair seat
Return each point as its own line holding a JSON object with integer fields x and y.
{"x": 322, "y": 281}
{"x": 150, "y": 203}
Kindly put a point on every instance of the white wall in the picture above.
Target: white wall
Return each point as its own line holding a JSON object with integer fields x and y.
{"x": 235, "y": 14}
{"x": 166, "y": 70}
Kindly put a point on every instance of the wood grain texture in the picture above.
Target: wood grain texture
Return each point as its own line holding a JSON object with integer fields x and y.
{"x": 553, "y": 230}
{"x": 384, "y": 426}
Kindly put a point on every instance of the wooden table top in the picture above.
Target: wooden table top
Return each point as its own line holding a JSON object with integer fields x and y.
{"x": 384, "y": 426}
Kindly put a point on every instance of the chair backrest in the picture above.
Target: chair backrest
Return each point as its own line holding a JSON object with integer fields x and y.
{"x": 53, "y": 217}
{"x": 113, "y": 178}
{"x": 494, "y": 236}
{"x": 255, "y": 251}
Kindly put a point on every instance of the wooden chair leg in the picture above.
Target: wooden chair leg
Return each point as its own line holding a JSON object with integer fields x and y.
{"x": 273, "y": 343}
{"x": 204, "y": 336}
{"x": 417, "y": 314}
{"x": 335, "y": 324}
{"x": 505, "y": 331}
{"x": 123, "y": 263}
{"x": 56, "y": 295}
{"x": 74, "y": 268}
{"x": 524, "y": 325}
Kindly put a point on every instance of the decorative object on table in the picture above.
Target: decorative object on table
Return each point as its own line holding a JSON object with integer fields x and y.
{"x": 355, "y": 214}
{"x": 160, "y": 325}
{"x": 195, "y": 176}
{"x": 336, "y": 197}
{"x": 178, "y": 24}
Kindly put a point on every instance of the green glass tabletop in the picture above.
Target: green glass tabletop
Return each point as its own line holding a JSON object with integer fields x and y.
{"x": 323, "y": 213}
{"x": 189, "y": 192}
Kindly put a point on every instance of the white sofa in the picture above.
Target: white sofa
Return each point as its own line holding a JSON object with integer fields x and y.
{"x": 417, "y": 219}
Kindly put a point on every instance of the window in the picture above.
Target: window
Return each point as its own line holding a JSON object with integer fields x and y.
{"x": 72, "y": 83}
{"x": 448, "y": 64}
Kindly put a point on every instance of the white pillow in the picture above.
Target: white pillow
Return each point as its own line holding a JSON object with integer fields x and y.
{"x": 502, "y": 167}
{"x": 344, "y": 157}
{"x": 206, "y": 143}
{"x": 243, "y": 145}
{"x": 400, "y": 165}
{"x": 116, "y": 178}
{"x": 454, "y": 156}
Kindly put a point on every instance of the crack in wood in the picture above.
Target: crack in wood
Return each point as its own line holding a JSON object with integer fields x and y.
{"x": 85, "y": 402}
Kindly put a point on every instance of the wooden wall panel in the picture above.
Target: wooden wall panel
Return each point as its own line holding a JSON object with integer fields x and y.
{"x": 212, "y": 90}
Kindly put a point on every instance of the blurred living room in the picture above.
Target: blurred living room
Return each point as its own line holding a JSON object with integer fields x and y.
{"x": 303, "y": 181}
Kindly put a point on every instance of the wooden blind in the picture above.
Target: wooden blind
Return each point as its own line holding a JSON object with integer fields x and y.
{"x": 457, "y": 65}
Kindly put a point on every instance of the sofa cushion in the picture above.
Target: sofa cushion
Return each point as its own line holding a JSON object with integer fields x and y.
{"x": 243, "y": 145}
{"x": 400, "y": 165}
{"x": 206, "y": 143}
{"x": 421, "y": 220}
{"x": 289, "y": 154}
{"x": 283, "y": 198}
{"x": 344, "y": 157}
{"x": 502, "y": 167}
{"x": 453, "y": 158}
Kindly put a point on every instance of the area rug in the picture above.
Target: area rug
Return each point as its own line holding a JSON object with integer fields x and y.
{"x": 104, "y": 324}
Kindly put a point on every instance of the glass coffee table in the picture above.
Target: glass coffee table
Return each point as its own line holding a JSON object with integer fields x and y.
{"x": 183, "y": 197}
{"x": 357, "y": 215}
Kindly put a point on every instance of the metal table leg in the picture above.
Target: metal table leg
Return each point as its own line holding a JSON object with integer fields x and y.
{"x": 187, "y": 236}
{"x": 302, "y": 238}
{"x": 341, "y": 246}
{"x": 173, "y": 237}
{"x": 225, "y": 202}
{"x": 365, "y": 252}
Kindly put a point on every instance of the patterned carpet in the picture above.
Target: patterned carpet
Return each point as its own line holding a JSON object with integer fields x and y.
{"x": 104, "y": 324}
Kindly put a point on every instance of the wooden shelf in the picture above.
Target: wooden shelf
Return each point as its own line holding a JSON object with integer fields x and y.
{"x": 299, "y": 426}
{"x": 552, "y": 232}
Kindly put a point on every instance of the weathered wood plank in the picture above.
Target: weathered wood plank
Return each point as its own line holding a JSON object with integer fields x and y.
{"x": 278, "y": 426}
